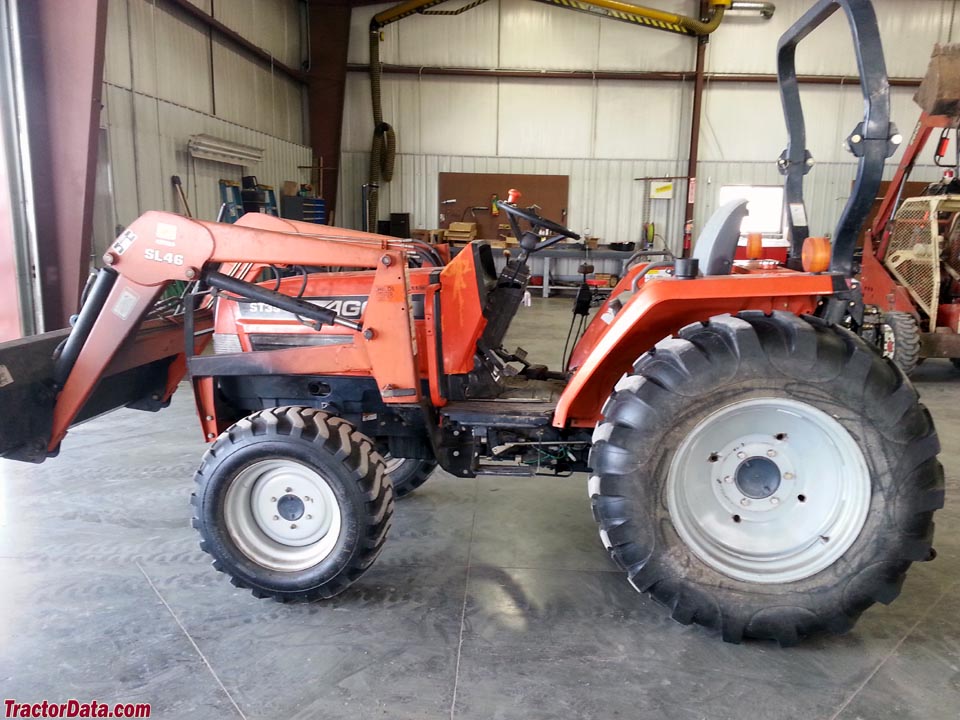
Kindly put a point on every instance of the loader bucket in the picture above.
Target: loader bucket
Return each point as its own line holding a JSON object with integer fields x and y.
{"x": 939, "y": 93}
{"x": 140, "y": 376}
{"x": 26, "y": 393}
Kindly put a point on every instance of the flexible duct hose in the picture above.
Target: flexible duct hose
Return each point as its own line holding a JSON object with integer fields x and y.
{"x": 699, "y": 28}
{"x": 383, "y": 150}
{"x": 384, "y": 146}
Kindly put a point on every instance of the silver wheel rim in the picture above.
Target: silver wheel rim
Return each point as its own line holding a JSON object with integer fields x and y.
{"x": 282, "y": 515}
{"x": 768, "y": 490}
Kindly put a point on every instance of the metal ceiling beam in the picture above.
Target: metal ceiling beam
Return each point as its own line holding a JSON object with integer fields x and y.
{"x": 620, "y": 10}
{"x": 235, "y": 39}
{"x": 329, "y": 33}
{"x": 693, "y": 156}
{"x": 651, "y": 76}
{"x": 344, "y": 3}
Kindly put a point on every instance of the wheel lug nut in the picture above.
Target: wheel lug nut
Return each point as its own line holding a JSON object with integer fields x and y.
{"x": 741, "y": 455}
{"x": 744, "y": 502}
{"x": 728, "y": 479}
{"x": 273, "y": 499}
{"x": 771, "y": 453}
{"x": 309, "y": 517}
{"x": 293, "y": 526}
{"x": 788, "y": 476}
{"x": 774, "y": 501}
{"x": 289, "y": 490}
{"x": 276, "y": 517}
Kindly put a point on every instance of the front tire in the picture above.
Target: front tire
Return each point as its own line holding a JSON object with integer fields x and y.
{"x": 900, "y": 340}
{"x": 766, "y": 476}
{"x": 407, "y": 474}
{"x": 293, "y": 504}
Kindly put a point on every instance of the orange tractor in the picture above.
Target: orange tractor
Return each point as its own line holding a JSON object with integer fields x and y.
{"x": 752, "y": 464}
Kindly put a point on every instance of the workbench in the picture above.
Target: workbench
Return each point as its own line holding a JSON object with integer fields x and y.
{"x": 566, "y": 255}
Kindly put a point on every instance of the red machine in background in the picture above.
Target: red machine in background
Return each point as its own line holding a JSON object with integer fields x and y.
{"x": 911, "y": 255}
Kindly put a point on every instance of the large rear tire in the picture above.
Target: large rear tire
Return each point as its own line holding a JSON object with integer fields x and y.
{"x": 293, "y": 504}
{"x": 766, "y": 476}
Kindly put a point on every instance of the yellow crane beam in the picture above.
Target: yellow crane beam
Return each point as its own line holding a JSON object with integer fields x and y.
{"x": 383, "y": 149}
{"x": 614, "y": 9}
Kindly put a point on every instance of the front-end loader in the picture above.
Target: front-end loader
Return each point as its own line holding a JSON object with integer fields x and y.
{"x": 753, "y": 464}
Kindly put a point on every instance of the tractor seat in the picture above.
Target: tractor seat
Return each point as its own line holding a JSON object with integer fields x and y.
{"x": 717, "y": 244}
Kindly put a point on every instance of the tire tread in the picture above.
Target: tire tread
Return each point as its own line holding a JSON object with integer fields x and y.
{"x": 340, "y": 440}
{"x": 810, "y": 350}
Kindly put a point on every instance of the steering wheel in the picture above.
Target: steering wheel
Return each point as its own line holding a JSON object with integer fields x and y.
{"x": 514, "y": 214}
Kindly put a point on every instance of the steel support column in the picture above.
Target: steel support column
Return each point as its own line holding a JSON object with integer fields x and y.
{"x": 329, "y": 31}
{"x": 15, "y": 277}
{"x": 62, "y": 53}
{"x": 11, "y": 325}
{"x": 696, "y": 118}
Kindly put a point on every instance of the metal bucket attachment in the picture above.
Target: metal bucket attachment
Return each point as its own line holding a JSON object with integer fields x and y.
{"x": 138, "y": 377}
{"x": 939, "y": 93}
{"x": 27, "y": 395}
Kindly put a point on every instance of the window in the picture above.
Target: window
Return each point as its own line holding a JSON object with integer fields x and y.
{"x": 765, "y": 207}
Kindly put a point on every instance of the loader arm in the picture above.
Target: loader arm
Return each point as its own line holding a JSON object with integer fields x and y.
{"x": 110, "y": 336}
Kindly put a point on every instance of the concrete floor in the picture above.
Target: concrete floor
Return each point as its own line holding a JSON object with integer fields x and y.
{"x": 493, "y": 599}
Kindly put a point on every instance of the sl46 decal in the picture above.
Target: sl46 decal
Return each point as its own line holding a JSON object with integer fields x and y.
{"x": 157, "y": 256}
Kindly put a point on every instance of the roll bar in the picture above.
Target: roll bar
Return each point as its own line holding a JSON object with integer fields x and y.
{"x": 872, "y": 141}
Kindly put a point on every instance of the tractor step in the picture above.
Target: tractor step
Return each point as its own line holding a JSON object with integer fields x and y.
{"x": 499, "y": 413}
{"x": 506, "y": 470}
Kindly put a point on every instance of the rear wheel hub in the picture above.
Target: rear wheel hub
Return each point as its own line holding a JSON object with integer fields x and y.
{"x": 768, "y": 490}
{"x": 758, "y": 477}
{"x": 290, "y": 507}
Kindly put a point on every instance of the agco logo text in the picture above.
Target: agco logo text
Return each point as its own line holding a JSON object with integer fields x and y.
{"x": 346, "y": 307}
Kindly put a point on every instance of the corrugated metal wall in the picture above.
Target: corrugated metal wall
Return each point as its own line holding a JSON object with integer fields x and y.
{"x": 165, "y": 80}
{"x": 605, "y": 198}
{"x": 605, "y": 133}
{"x": 826, "y": 190}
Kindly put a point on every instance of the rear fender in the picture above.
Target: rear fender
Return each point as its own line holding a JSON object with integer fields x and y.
{"x": 659, "y": 309}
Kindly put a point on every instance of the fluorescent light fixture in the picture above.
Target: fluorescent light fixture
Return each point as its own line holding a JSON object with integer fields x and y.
{"x": 207, "y": 147}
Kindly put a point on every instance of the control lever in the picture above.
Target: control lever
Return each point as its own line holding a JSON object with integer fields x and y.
{"x": 581, "y": 304}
